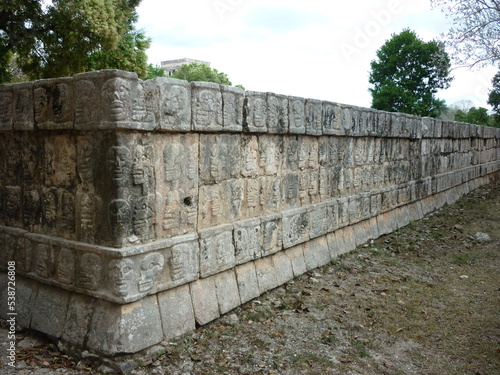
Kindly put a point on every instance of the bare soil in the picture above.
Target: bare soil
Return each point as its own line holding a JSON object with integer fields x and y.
{"x": 423, "y": 300}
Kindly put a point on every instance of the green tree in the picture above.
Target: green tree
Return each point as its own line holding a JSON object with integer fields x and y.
{"x": 201, "y": 72}
{"x": 477, "y": 116}
{"x": 408, "y": 73}
{"x": 155, "y": 71}
{"x": 494, "y": 96}
{"x": 64, "y": 37}
{"x": 476, "y": 31}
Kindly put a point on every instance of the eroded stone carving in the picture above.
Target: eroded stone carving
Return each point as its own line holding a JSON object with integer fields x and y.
{"x": 151, "y": 266}
{"x": 143, "y": 217}
{"x": 90, "y": 272}
{"x": 121, "y": 274}
{"x": 120, "y": 218}
{"x": 6, "y": 109}
{"x": 116, "y": 100}
{"x": 119, "y": 164}
{"x": 66, "y": 267}
{"x": 44, "y": 262}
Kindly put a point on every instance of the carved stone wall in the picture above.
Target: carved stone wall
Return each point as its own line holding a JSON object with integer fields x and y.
{"x": 134, "y": 209}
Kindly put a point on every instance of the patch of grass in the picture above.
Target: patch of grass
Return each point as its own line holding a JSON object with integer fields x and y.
{"x": 328, "y": 338}
{"x": 361, "y": 348}
{"x": 309, "y": 359}
{"x": 462, "y": 259}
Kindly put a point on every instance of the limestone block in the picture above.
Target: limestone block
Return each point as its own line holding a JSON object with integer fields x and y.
{"x": 232, "y": 109}
{"x": 283, "y": 267}
{"x": 217, "y": 252}
{"x": 177, "y": 187}
{"x": 347, "y": 119}
{"x": 252, "y": 198}
{"x": 23, "y": 106}
{"x": 428, "y": 124}
{"x": 270, "y": 155}
{"x": 375, "y": 204}
{"x": 7, "y": 107}
{"x": 296, "y": 227}
{"x": 349, "y": 238}
{"x": 400, "y": 218}
{"x": 365, "y": 205}
{"x": 277, "y": 113}
{"x": 318, "y": 220}
{"x": 438, "y": 128}
{"x": 177, "y": 313}
{"x": 109, "y": 99}
{"x": 362, "y": 232}
{"x": 332, "y": 119}
{"x": 247, "y": 282}
{"x": 354, "y": 209}
{"x": 314, "y": 119}
{"x": 78, "y": 318}
{"x": 219, "y": 157}
{"x": 415, "y": 211}
{"x": 13, "y": 203}
{"x": 247, "y": 240}
{"x": 290, "y": 154}
{"x": 270, "y": 195}
{"x": 336, "y": 244}
{"x": 266, "y": 274}
{"x": 125, "y": 328}
{"x": 59, "y": 161}
{"x": 206, "y": 106}
{"x": 256, "y": 112}
{"x": 316, "y": 253}
{"x": 227, "y": 291}
{"x": 170, "y": 100}
{"x": 51, "y": 302}
{"x": 296, "y": 115}
{"x": 343, "y": 204}
{"x": 54, "y": 103}
{"x": 331, "y": 216}
{"x": 296, "y": 256}
{"x": 204, "y": 297}
{"x": 250, "y": 156}
{"x": 214, "y": 209}
{"x": 271, "y": 234}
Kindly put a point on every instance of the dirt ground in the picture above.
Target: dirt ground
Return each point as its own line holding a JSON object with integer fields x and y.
{"x": 423, "y": 300}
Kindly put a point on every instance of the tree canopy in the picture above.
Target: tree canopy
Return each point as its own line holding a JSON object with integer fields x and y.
{"x": 408, "y": 73}
{"x": 494, "y": 96}
{"x": 477, "y": 116}
{"x": 64, "y": 37}
{"x": 475, "y": 36}
{"x": 201, "y": 72}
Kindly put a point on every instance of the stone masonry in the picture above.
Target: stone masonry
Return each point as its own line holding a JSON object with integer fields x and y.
{"x": 135, "y": 210}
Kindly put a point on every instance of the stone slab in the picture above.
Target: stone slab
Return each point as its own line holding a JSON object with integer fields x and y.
{"x": 248, "y": 285}
{"x": 226, "y": 287}
{"x": 51, "y": 302}
{"x": 283, "y": 267}
{"x": 266, "y": 274}
{"x": 204, "y": 297}
{"x": 177, "y": 313}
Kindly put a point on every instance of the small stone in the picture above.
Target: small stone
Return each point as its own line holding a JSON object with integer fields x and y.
{"x": 29, "y": 342}
{"x": 313, "y": 280}
{"x": 482, "y": 237}
{"x": 464, "y": 277}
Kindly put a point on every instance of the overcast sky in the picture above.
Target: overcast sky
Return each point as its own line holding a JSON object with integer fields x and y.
{"x": 314, "y": 48}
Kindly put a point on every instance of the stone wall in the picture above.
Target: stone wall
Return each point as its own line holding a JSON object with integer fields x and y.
{"x": 135, "y": 209}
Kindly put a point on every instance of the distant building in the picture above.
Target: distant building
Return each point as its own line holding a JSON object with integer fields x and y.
{"x": 170, "y": 66}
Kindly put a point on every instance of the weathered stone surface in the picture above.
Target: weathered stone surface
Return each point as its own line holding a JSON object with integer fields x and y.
{"x": 232, "y": 109}
{"x": 271, "y": 234}
{"x": 247, "y": 240}
{"x": 314, "y": 119}
{"x": 266, "y": 274}
{"x": 296, "y": 115}
{"x": 226, "y": 287}
{"x": 217, "y": 252}
{"x": 177, "y": 313}
{"x": 125, "y": 328}
{"x": 283, "y": 267}
{"x": 51, "y": 302}
{"x": 255, "y": 112}
{"x": 248, "y": 285}
{"x": 296, "y": 256}
{"x": 296, "y": 227}
{"x": 316, "y": 253}
{"x": 207, "y": 106}
{"x": 78, "y": 318}
{"x": 277, "y": 113}
{"x": 204, "y": 297}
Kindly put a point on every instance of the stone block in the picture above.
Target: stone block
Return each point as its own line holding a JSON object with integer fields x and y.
{"x": 248, "y": 285}
{"x": 219, "y": 157}
{"x": 336, "y": 244}
{"x": 266, "y": 274}
{"x": 318, "y": 220}
{"x": 343, "y": 205}
{"x": 283, "y": 267}
{"x": 255, "y": 118}
{"x": 277, "y": 113}
{"x": 108, "y": 99}
{"x": 7, "y": 107}
{"x": 205, "y": 303}
{"x": 176, "y": 310}
{"x": 271, "y": 234}
{"x": 177, "y": 185}
{"x": 332, "y": 119}
{"x": 217, "y": 252}
{"x": 400, "y": 218}
{"x": 170, "y": 100}
{"x": 362, "y": 232}
{"x": 349, "y": 238}
{"x": 296, "y": 115}
{"x": 206, "y": 106}
{"x": 118, "y": 329}
{"x": 24, "y": 115}
{"x": 270, "y": 155}
{"x": 316, "y": 253}
{"x": 250, "y": 156}
{"x": 232, "y": 109}
{"x": 227, "y": 291}
{"x": 247, "y": 240}
{"x": 384, "y": 223}
{"x": 78, "y": 318}
{"x": 332, "y": 216}
{"x": 296, "y": 256}
{"x": 314, "y": 119}
{"x": 51, "y": 302}
{"x": 54, "y": 103}
{"x": 290, "y": 186}
{"x": 270, "y": 194}
{"x": 296, "y": 227}
{"x": 354, "y": 209}
{"x": 251, "y": 206}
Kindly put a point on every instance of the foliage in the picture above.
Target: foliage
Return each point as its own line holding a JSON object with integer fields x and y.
{"x": 201, "y": 72}
{"x": 64, "y": 37}
{"x": 155, "y": 71}
{"x": 407, "y": 74}
{"x": 477, "y": 116}
{"x": 475, "y": 37}
{"x": 494, "y": 96}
